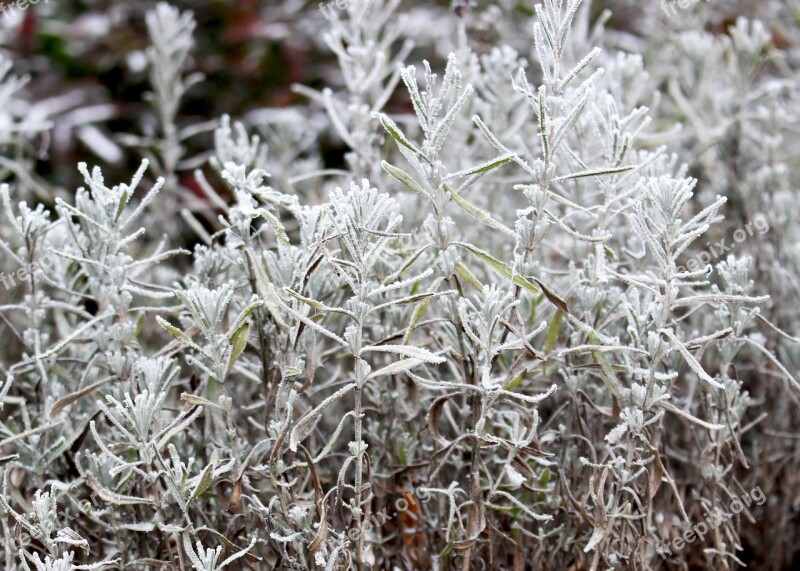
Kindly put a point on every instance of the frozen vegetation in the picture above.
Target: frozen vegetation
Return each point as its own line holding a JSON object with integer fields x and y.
{"x": 538, "y": 308}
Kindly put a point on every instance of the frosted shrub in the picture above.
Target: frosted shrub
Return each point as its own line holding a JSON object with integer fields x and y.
{"x": 488, "y": 313}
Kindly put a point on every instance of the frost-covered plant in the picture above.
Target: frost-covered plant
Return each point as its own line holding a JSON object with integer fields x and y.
{"x": 488, "y": 312}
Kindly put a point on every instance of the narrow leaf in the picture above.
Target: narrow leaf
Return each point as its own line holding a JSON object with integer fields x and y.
{"x": 178, "y": 334}
{"x": 406, "y": 179}
{"x": 500, "y": 268}
{"x": 319, "y": 306}
{"x": 396, "y": 368}
{"x": 111, "y": 497}
{"x": 306, "y": 424}
{"x": 480, "y": 215}
{"x": 238, "y": 342}
{"x": 552, "y": 332}
{"x": 485, "y": 167}
{"x": 408, "y": 351}
{"x": 204, "y": 483}
{"x": 552, "y": 297}
{"x": 596, "y": 172}
{"x": 468, "y": 276}
{"x": 392, "y": 128}
{"x": 72, "y": 397}
{"x": 265, "y": 289}
{"x": 419, "y": 312}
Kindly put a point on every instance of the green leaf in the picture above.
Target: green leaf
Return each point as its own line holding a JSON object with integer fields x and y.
{"x": 402, "y": 452}
{"x": 139, "y": 324}
{"x": 419, "y": 312}
{"x": 544, "y": 478}
{"x": 500, "y": 268}
{"x": 485, "y": 167}
{"x": 480, "y": 215}
{"x": 239, "y": 342}
{"x": 204, "y": 483}
{"x": 178, "y": 334}
{"x": 392, "y": 128}
{"x": 447, "y": 549}
{"x": 246, "y": 312}
{"x": 552, "y": 332}
{"x": 406, "y": 179}
{"x": 319, "y": 306}
{"x": 516, "y": 381}
{"x": 597, "y": 172}
{"x": 552, "y": 336}
{"x": 265, "y": 289}
{"x": 468, "y": 276}
{"x": 123, "y": 201}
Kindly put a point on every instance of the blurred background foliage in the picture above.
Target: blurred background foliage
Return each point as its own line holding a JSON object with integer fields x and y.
{"x": 86, "y": 61}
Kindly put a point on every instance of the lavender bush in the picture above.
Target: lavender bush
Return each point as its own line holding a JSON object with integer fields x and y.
{"x": 542, "y": 314}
